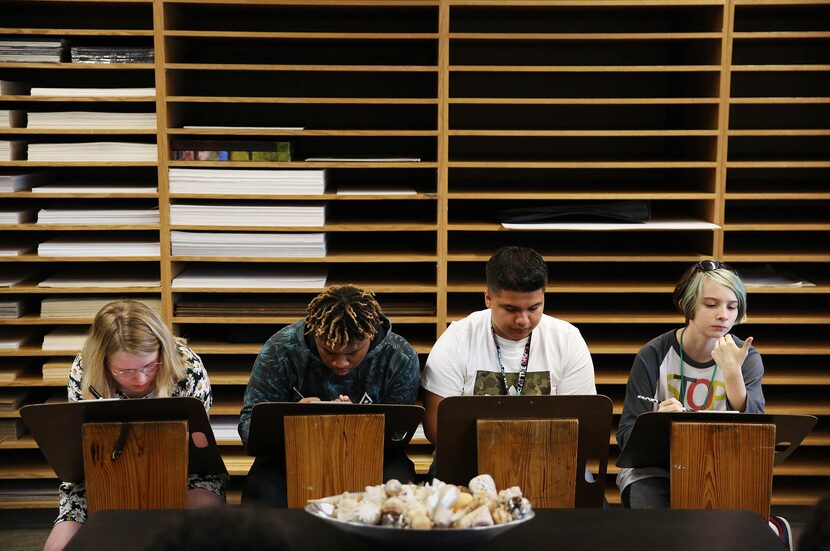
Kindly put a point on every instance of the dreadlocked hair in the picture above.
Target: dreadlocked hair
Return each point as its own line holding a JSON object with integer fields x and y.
{"x": 342, "y": 315}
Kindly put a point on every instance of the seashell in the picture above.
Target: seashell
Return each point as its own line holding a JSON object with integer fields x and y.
{"x": 483, "y": 483}
{"x": 502, "y": 515}
{"x": 518, "y": 507}
{"x": 483, "y": 517}
{"x": 393, "y": 487}
{"x": 447, "y": 496}
{"x": 393, "y": 519}
{"x": 511, "y": 492}
{"x": 417, "y": 517}
{"x": 463, "y": 500}
{"x": 346, "y": 509}
{"x": 442, "y": 517}
{"x": 322, "y": 508}
{"x": 467, "y": 520}
{"x": 393, "y": 505}
{"x": 367, "y": 512}
{"x": 376, "y": 494}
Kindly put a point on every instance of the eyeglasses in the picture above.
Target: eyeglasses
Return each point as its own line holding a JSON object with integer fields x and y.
{"x": 710, "y": 265}
{"x": 131, "y": 373}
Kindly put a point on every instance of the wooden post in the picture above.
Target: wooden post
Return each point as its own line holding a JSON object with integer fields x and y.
{"x": 149, "y": 471}
{"x": 539, "y": 455}
{"x": 331, "y": 454}
{"x": 722, "y": 466}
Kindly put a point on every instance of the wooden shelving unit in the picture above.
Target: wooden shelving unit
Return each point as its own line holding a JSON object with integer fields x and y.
{"x": 715, "y": 111}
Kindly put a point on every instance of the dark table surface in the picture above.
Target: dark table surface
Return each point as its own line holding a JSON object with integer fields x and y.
{"x": 552, "y": 529}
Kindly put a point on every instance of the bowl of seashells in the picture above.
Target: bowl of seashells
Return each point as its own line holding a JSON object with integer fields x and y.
{"x": 436, "y": 515}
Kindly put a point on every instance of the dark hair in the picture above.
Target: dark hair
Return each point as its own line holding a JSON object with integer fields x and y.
{"x": 516, "y": 269}
{"x": 343, "y": 315}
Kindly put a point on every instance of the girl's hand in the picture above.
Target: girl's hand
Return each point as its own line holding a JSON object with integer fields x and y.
{"x": 343, "y": 398}
{"x": 670, "y": 406}
{"x": 727, "y": 354}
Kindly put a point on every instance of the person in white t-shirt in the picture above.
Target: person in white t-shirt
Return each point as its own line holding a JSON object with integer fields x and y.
{"x": 512, "y": 347}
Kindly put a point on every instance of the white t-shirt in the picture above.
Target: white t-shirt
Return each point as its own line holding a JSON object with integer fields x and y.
{"x": 464, "y": 362}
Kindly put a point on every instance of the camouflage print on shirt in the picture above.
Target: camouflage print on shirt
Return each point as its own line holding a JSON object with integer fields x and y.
{"x": 489, "y": 383}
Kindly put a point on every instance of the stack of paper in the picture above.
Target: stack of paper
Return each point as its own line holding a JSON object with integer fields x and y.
{"x": 91, "y": 119}
{"x": 111, "y": 54}
{"x": 15, "y": 247}
{"x": 11, "y": 429}
{"x": 248, "y": 215}
{"x": 12, "y": 398}
{"x": 251, "y": 277}
{"x": 80, "y": 246}
{"x": 92, "y": 187}
{"x": 249, "y": 244}
{"x": 225, "y": 427}
{"x": 14, "y": 88}
{"x": 94, "y": 92}
{"x": 13, "y": 308}
{"x": 94, "y": 151}
{"x": 12, "y": 338}
{"x": 10, "y": 215}
{"x": 86, "y": 307}
{"x": 247, "y": 181}
{"x": 12, "y": 368}
{"x": 18, "y": 181}
{"x": 12, "y": 118}
{"x": 98, "y": 216}
{"x": 12, "y": 275}
{"x": 197, "y": 304}
{"x": 30, "y": 51}
{"x": 56, "y": 369}
{"x": 65, "y": 338}
{"x": 12, "y": 150}
{"x": 114, "y": 278}
{"x": 768, "y": 276}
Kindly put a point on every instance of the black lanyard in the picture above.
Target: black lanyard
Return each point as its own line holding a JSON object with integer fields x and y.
{"x": 520, "y": 385}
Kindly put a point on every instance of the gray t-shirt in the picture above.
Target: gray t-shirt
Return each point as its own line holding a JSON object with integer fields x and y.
{"x": 656, "y": 374}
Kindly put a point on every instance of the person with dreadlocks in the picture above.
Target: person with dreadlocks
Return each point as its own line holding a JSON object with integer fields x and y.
{"x": 343, "y": 350}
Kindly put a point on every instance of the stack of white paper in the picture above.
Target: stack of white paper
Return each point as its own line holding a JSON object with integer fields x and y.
{"x": 91, "y": 119}
{"x": 114, "y": 278}
{"x": 65, "y": 338}
{"x": 12, "y": 118}
{"x": 78, "y": 187}
{"x": 94, "y": 151}
{"x": 251, "y": 277}
{"x": 248, "y": 215}
{"x": 247, "y": 181}
{"x": 94, "y": 92}
{"x": 86, "y": 307}
{"x": 249, "y": 244}
{"x": 12, "y": 308}
{"x": 10, "y": 215}
{"x": 768, "y": 276}
{"x": 56, "y": 369}
{"x": 18, "y": 181}
{"x": 225, "y": 427}
{"x": 98, "y": 216}
{"x": 15, "y": 247}
{"x": 73, "y": 245}
{"x": 12, "y": 150}
{"x": 13, "y": 338}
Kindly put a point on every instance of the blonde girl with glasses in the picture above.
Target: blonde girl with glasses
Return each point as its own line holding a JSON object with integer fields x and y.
{"x": 130, "y": 353}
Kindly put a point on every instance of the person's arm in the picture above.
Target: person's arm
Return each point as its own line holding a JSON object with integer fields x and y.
{"x": 730, "y": 357}
{"x": 267, "y": 384}
{"x": 431, "y": 402}
{"x": 578, "y": 373}
{"x": 752, "y": 371}
{"x": 402, "y": 374}
{"x": 642, "y": 381}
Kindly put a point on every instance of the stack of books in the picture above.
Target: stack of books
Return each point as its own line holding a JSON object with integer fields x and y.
{"x": 12, "y": 398}
{"x": 86, "y": 307}
{"x": 251, "y": 277}
{"x": 31, "y": 50}
{"x": 230, "y": 150}
{"x": 186, "y": 214}
{"x": 65, "y": 338}
{"x": 122, "y": 216}
{"x": 80, "y": 246}
{"x": 222, "y": 181}
{"x": 13, "y": 338}
{"x": 225, "y": 306}
{"x": 273, "y": 245}
{"x": 115, "y": 278}
{"x": 94, "y": 151}
{"x": 91, "y": 119}
{"x": 94, "y": 92}
{"x": 111, "y": 54}
{"x": 19, "y": 181}
{"x": 56, "y": 369}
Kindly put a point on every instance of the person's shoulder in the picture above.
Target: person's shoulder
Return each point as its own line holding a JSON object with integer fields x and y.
{"x": 294, "y": 333}
{"x": 659, "y": 345}
{"x": 550, "y": 324}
